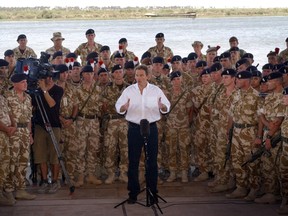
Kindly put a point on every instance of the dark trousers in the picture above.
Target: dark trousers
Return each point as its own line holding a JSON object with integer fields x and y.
{"x": 135, "y": 145}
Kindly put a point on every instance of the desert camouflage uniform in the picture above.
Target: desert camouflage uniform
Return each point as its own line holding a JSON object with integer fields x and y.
{"x": 115, "y": 135}
{"x": 83, "y": 50}
{"x": 284, "y": 55}
{"x": 129, "y": 56}
{"x": 21, "y": 113}
{"x": 272, "y": 108}
{"x": 52, "y": 50}
{"x": 283, "y": 167}
{"x": 4, "y": 142}
{"x": 68, "y": 139}
{"x": 165, "y": 53}
{"x": 187, "y": 81}
{"x": 202, "y": 124}
{"x": 243, "y": 110}
{"x": 178, "y": 131}
{"x": 88, "y": 136}
{"x": 28, "y": 53}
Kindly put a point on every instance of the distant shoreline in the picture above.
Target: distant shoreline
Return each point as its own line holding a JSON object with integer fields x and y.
{"x": 116, "y": 13}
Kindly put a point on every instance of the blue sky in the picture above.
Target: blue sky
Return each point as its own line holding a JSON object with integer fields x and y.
{"x": 144, "y": 3}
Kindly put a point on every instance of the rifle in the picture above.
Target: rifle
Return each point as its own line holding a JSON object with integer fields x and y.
{"x": 229, "y": 145}
{"x": 262, "y": 150}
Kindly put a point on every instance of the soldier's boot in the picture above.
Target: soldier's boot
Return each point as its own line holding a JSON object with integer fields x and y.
{"x": 202, "y": 177}
{"x": 123, "y": 177}
{"x": 284, "y": 202}
{"x": 219, "y": 188}
{"x": 231, "y": 183}
{"x": 267, "y": 198}
{"x": 141, "y": 177}
{"x": 10, "y": 197}
{"x": 251, "y": 196}
{"x": 172, "y": 176}
{"x": 23, "y": 195}
{"x": 111, "y": 177}
{"x": 239, "y": 192}
{"x": 80, "y": 181}
{"x": 184, "y": 176}
{"x": 91, "y": 179}
{"x": 5, "y": 201}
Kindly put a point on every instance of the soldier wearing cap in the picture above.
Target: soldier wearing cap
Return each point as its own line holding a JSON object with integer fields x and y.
{"x": 233, "y": 42}
{"x": 284, "y": 53}
{"x": 115, "y": 133}
{"x": 23, "y": 51}
{"x": 284, "y": 71}
{"x": 264, "y": 87}
{"x": 123, "y": 44}
{"x": 197, "y": 47}
{"x": 105, "y": 54}
{"x": 256, "y": 77}
{"x": 67, "y": 118}
{"x": 249, "y": 57}
{"x": 7, "y": 129}
{"x": 242, "y": 65}
{"x": 283, "y": 166}
{"x": 57, "y": 40}
{"x": 90, "y": 46}
{"x": 235, "y": 55}
{"x": 201, "y": 114}
{"x": 10, "y": 58}
{"x": 20, "y": 107}
{"x": 75, "y": 78}
{"x": 178, "y": 128}
{"x": 211, "y": 53}
{"x": 243, "y": 118}
{"x": 185, "y": 64}
{"x": 267, "y": 69}
{"x": 57, "y": 58}
{"x": 103, "y": 77}
{"x": 89, "y": 105}
{"x": 225, "y": 60}
{"x": 272, "y": 114}
{"x": 6, "y": 84}
{"x": 129, "y": 72}
{"x": 273, "y": 56}
{"x": 119, "y": 59}
{"x": 223, "y": 180}
{"x": 192, "y": 70}
{"x": 160, "y": 50}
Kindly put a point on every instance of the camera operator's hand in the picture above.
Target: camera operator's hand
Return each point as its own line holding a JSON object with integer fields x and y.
{"x": 42, "y": 84}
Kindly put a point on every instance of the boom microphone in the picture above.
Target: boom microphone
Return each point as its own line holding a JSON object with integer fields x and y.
{"x": 144, "y": 128}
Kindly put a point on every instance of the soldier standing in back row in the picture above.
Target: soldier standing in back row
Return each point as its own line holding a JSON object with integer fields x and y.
{"x": 23, "y": 51}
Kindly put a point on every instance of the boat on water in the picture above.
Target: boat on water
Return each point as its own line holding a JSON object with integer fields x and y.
{"x": 190, "y": 14}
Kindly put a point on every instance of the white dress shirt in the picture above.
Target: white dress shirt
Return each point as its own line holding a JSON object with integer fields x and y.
{"x": 143, "y": 106}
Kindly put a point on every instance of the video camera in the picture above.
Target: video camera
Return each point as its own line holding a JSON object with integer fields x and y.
{"x": 35, "y": 69}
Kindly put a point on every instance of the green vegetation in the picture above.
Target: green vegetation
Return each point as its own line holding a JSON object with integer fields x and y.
{"x": 45, "y": 13}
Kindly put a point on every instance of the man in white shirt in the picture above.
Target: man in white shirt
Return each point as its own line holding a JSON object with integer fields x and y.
{"x": 142, "y": 101}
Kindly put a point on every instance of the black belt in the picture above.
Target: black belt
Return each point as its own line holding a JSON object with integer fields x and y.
{"x": 131, "y": 124}
{"x": 238, "y": 125}
{"x": 88, "y": 116}
{"x": 116, "y": 116}
{"x": 22, "y": 125}
{"x": 284, "y": 139}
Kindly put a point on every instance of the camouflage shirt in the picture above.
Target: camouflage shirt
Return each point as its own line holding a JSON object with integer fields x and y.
{"x": 28, "y": 53}
{"x": 83, "y": 50}
{"x": 165, "y": 53}
{"x": 129, "y": 56}
{"x": 215, "y": 99}
{"x": 52, "y": 50}
{"x": 162, "y": 82}
{"x": 284, "y": 55}
{"x": 284, "y": 125}
{"x": 4, "y": 111}
{"x": 21, "y": 111}
{"x": 272, "y": 107}
{"x": 68, "y": 101}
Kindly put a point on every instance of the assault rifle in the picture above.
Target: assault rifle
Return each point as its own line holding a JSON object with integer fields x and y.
{"x": 229, "y": 145}
{"x": 262, "y": 150}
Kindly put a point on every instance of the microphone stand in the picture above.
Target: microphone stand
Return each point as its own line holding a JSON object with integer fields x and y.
{"x": 54, "y": 140}
{"x": 151, "y": 198}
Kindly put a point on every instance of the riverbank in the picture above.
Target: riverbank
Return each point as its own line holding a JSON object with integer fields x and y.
{"x": 110, "y": 13}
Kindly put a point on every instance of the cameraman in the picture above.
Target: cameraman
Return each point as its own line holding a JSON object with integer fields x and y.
{"x": 44, "y": 151}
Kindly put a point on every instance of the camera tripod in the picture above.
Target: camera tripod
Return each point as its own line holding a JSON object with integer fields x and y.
{"x": 53, "y": 138}
{"x": 151, "y": 198}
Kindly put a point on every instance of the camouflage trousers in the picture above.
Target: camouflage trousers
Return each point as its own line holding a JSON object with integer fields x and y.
{"x": 4, "y": 158}
{"x": 88, "y": 146}
{"x": 70, "y": 149}
{"x": 116, "y": 145}
{"x": 242, "y": 146}
{"x": 284, "y": 169}
{"x": 214, "y": 127}
{"x": 19, "y": 157}
{"x": 162, "y": 157}
{"x": 270, "y": 170}
{"x": 178, "y": 141}
{"x": 201, "y": 145}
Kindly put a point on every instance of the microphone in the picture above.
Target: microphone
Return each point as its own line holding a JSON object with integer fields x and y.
{"x": 144, "y": 128}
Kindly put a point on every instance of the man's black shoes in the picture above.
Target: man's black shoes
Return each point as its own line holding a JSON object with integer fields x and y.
{"x": 131, "y": 200}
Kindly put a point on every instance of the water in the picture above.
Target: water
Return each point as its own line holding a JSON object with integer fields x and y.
{"x": 257, "y": 35}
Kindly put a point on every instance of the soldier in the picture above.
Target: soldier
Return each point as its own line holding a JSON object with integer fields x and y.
{"x": 57, "y": 58}
{"x": 273, "y": 56}
{"x": 192, "y": 70}
{"x": 233, "y": 42}
{"x": 197, "y": 47}
{"x": 211, "y": 53}
{"x": 185, "y": 64}
{"x": 4, "y": 76}
{"x": 119, "y": 59}
{"x": 105, "y": 57}
{"x": 103, "y": 78}
{"x": 23, "y": 51}
{"x": 225, "y": 60}
{"x": 6, "y": 131}
{"x": 272, "y": 115}
{"x": 283, "y": 167}
{"x": 10, "y": 58}
{"x": 67, "y": 118}
{"x": 243, "y": 115}
{"x": 90, "y": 46}
{"x": 235, "y": 56}
{"x": 178, "y": 128}
{"x": 160, "y": 49}
{"x": 57, "y": 40}
{"x": 75, "y": 78}
{"x": 129, "y": 73}
{"x": 256, "y": 78}
{"x": 267, "y": 69}
{"x": 21, "y": 112}
{"x": 249, "y": 57}
{"x": 284, "y": 53}
{"x": 116, "y": 128}
{"x": 284, "y": 71}
{"x": 123, "y": 44}
{"x": 88, "y": 103}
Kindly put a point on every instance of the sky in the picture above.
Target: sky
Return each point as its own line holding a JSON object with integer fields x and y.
{"x": 144, "y": 3}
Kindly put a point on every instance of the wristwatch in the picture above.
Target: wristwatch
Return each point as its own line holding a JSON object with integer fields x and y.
{"x": 45, "y": 92}
{"x": 268, "y": 136}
